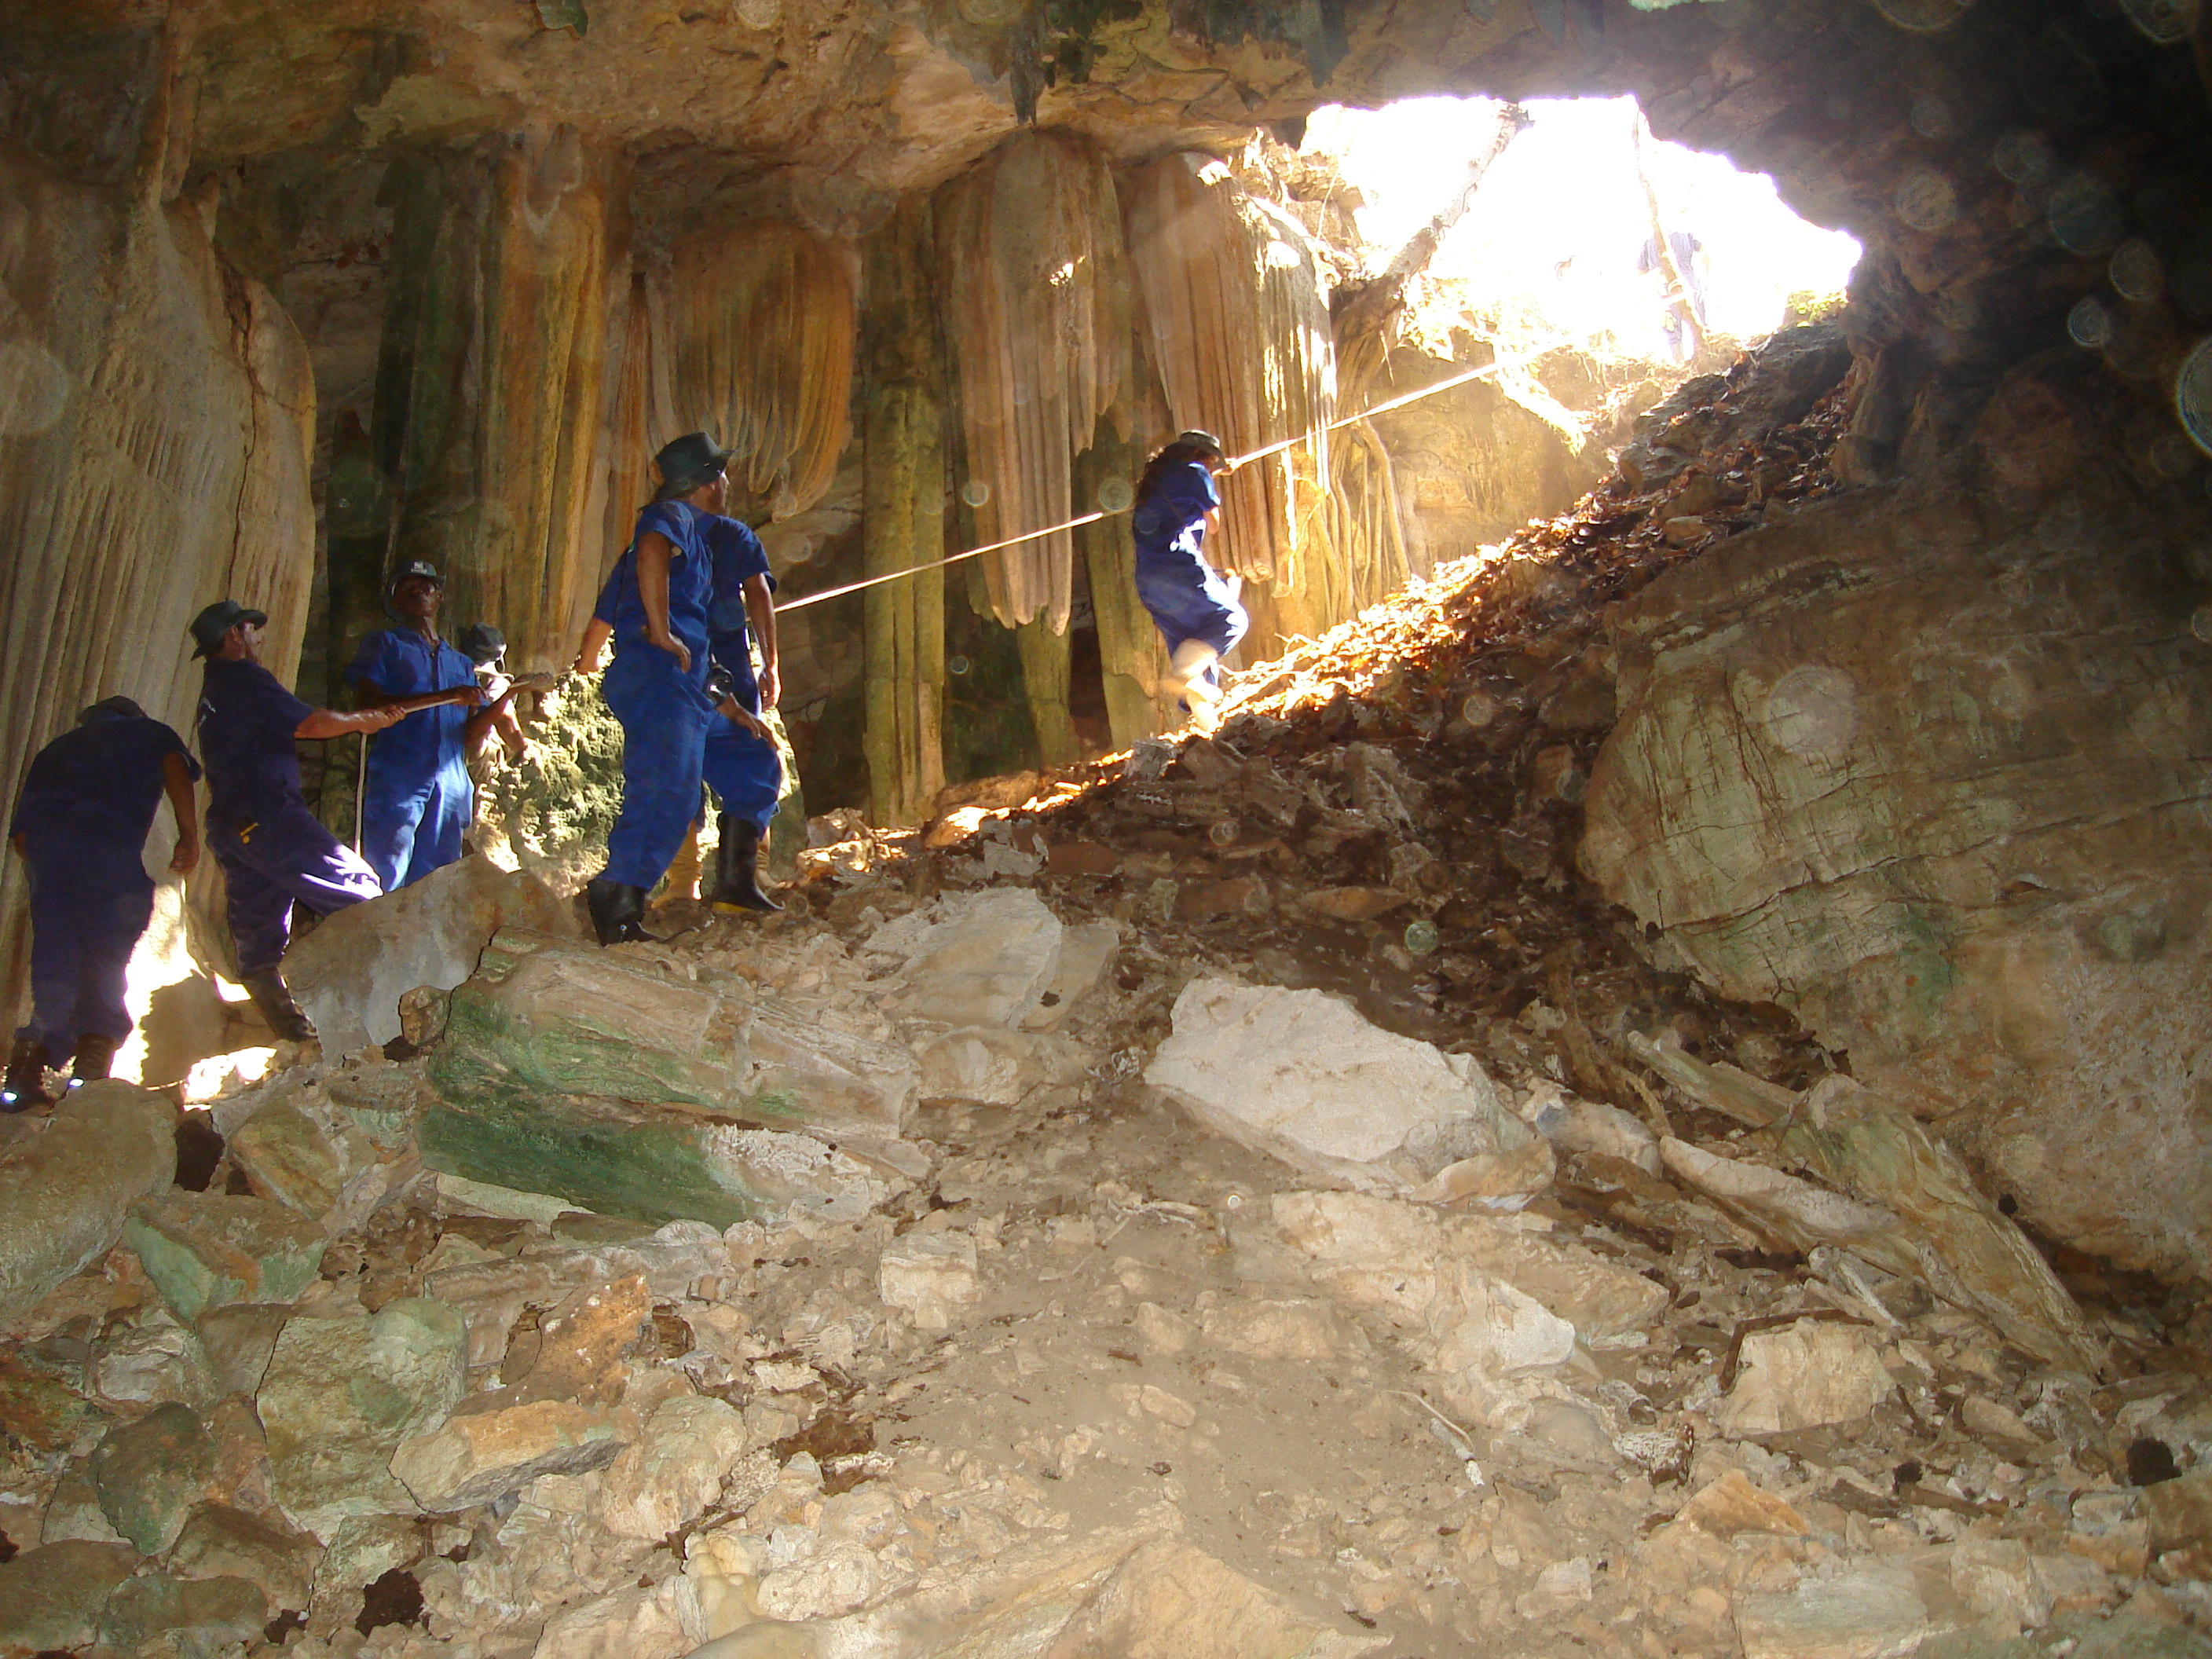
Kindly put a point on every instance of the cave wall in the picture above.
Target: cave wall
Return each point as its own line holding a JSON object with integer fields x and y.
{"x": 155, "y": 430}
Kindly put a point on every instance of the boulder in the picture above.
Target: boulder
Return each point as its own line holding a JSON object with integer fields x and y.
{"x": 675, "y": 1469}
{"x": 206, "y": 1250}
{"x": 339, "y": 1396}
{"x": 219, "y": 1542}
{"x": 1305, "y": 1077}
{"x": 480, "y": 1456}
{"x": 979, "y": 959}
{"x": 286, "y": 1155}
{"x": 605, "y": 1079}
{"x": 1921, "y": 764}
{"x": 183, "y": 1616}
{"x": 150, "y": 1474}
{"x": 1868, "y": 1609}
{"x": 1802, "y": 1377}
{"x": 50, "y": 1597}
{"x": 66, "y": 1184}
{"x": 351, "y": 971}
{"x": 1086, "y": 951}
{"x": 997, "y": 1067}
{"x": 931, "y": 1276}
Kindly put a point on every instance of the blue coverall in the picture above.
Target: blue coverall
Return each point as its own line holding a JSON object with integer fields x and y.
{"x": 86, "y": 803}
{"x": 1190, "y": 600}
{"x": 272, "y": 849}
{"x": 417, "y": 798}
{"x": 664, "y": 708}
{"x": 744, "y": 771}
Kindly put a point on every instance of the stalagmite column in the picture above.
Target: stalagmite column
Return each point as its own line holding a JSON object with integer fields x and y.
{"x": 1130, "y": 654}
{"x": 156, "y": 421}
{"x": 904, "y": 522}
{"x": 1237, "y": 314}
{"x": 753, "y": 337}
{"x": 489, "y": 397}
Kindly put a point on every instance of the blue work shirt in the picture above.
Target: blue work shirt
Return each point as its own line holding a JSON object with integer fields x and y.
{"x": 738, "y": 556}
{"x": 90, "y": 795}
{"x": 245, "y": 725}
{"x": 690, "y": 583}
{"x": 401, "y": 662}
{"x": 1170, "y": 524}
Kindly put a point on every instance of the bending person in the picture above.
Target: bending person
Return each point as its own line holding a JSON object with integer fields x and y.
{"x": 417, "y": 798}
{"x": 741, "y": 763}
{"x": 81, "y": 824}
{"x": 1194, "y": 605}
{"x": 656, "y": 603}
{"x": 274, "y": 851}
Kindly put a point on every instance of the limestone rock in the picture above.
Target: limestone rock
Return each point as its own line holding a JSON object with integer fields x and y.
{"x": 1988, "y": 901}
{"x": 674, "y": 1470}
{"x": 932, "y": 1276}
{"x": 2180, "y": 1511}
{"x": 1302, "y": 1076}
{"x": 997, "y": 1067}
{"x": 238, "y": 1340}
{"x": 1085, "y": 952}
{"x": 480, "y": 1456}
{"x": 1732, "y": 1505}
{"x": 286, "y": 1155}
{"x": 1591, "y": 1125}
{"x": 1869, "y": 1610}
{"x": 212, "y": 1249}
{"x": 351, "y": 974}
{"x": 50, "y": 1597}
{"x": 983, "y": 958}
{"x": 221, "y": 1542}
{"x": 588, "y": 1075}
{"x": 1396, "y": 1261}
{"x": 637, "y": 1623}
{"x": 340, "y": 1395}
{"x": 1286, "y": 1327}
{"x": 1791, "y": 1213}
{"x": 1802, "y": 1375}
{"x": 182, "y": 1616}
{"x": 583, "y": 1342}
{"x": 149, "y": 1474}
{"x": 66, "y": 1185}
{"x": 363, "y": 1549}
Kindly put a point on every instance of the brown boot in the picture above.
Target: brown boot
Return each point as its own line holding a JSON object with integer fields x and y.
{"x": 95, "y": 1059}
{"x": 25, "y": 1084}
{"x": 274, "y": 998}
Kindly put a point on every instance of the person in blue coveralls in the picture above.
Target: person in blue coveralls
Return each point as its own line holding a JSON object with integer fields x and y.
{"x": 81, "y": 824}
{"x": 417, "y": 798}
{"x": 1194, "y": 605}
{"x": 657, "y": 601}
{"x": 740, "y": 762}
{"x": 273, "y": 850}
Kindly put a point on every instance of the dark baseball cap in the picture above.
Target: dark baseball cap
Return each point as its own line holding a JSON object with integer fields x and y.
{"x": 483, "y": 643}
{"x": 112, "y": 708}
{"x": 692, "y": 460}
{"x": 422, "y": 568}
{"x": 217, "y": 620}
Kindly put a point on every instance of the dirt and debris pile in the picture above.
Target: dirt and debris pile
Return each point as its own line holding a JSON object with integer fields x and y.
{"x": 1259, "y": 1204}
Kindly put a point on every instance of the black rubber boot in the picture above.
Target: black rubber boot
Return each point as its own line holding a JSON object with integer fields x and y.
{"x": 25, "y": 1084}
{"x": 736, "y": 870}
{"x": 617, "y": 911}
{"x": 95, "y": 1059}
{"x": 274, "y": 998}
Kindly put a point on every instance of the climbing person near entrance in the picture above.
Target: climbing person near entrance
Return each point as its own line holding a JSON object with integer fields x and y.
{"x": 81, "y": 824}
{"x": 655, "y": 606}
{"x": 740, "y": 762}
{"x": 417, "y": 798}
{"x": 273, "y": 851}
{"x": 1194, "y": 604}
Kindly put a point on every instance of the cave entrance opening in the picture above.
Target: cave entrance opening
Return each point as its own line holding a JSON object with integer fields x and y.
{"x": 1586, "y": 240}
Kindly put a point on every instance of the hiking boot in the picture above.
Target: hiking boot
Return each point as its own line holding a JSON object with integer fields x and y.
{"x": 25, "y": 1084}
{"x": 736, "y": 875}
{"x": 274, "y": 998}
{"x": 95, "y": 1059}
{"x": 617, "y": 911}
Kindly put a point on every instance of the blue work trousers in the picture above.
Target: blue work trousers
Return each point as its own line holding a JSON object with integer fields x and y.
{"x": 411, "y": 825}
{"x": 1190, "y": 600}
{"x": 88, "y": 913}
{"x": 744, "y": 772}
{"x": 664, "y": 715}
{"x": 269, "y": 863}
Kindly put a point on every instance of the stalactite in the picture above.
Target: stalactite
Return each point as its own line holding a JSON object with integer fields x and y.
{"x": 1238, "y": 320}
{"x": 1046, "y": 672}
{"x": 904, "y": 522}
{"x": 158, "y": 413}
{"x": 1130, "y": 655}
{"x": 755, "y": 321}
{"x": 490, "y": 387}
{"x": 1035, "y": 292}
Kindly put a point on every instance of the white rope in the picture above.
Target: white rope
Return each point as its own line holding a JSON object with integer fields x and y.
{"x": 1445, "y": 385}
